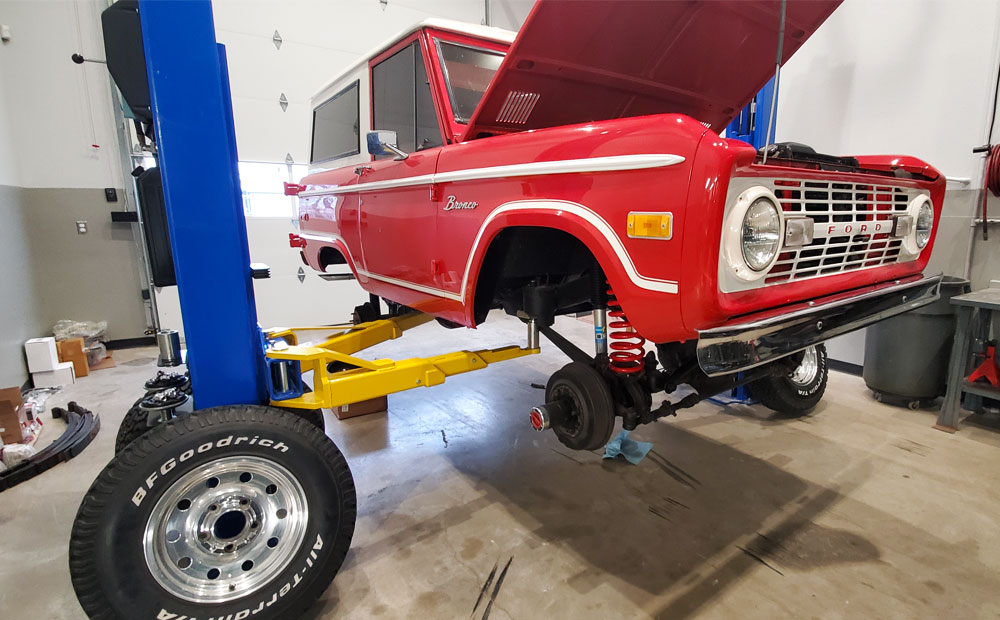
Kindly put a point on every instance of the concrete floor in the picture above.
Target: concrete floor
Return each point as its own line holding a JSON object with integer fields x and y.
{"x": 859, "y": 510}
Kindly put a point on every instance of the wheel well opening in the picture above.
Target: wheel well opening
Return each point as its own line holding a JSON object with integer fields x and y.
{"x": 524, "y": 255}
{"x": 330, "y": 256}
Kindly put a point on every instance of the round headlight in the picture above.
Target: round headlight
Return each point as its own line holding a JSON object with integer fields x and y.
{"x": 925, "y": 222}
{"x": 761, "y": 234}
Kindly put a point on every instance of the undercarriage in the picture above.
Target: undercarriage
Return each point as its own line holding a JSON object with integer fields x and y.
{"x": 622, "y": 377}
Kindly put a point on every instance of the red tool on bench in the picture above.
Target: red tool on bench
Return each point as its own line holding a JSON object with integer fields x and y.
{"x": 988, "y": 369}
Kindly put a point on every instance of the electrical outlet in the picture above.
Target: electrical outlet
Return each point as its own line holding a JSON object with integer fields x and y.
{"x": 81, "y": 227}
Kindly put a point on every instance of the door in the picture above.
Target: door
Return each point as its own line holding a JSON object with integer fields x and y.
{"x": 398, "y": 221}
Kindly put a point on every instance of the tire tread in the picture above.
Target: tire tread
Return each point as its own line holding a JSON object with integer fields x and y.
{"x": 83, "y": 539}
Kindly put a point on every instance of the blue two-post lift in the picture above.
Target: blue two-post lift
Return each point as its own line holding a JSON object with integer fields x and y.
{"x": 245, "y": 509}
{"x": 196, "y": 142}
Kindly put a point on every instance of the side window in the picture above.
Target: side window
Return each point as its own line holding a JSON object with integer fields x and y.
{"x": 336, "y": 126}
{"x": 402, "y": 100}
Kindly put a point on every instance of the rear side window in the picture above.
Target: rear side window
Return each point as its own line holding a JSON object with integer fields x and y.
{"x": 336, "y": 126}
{"x": 402, "y": 100}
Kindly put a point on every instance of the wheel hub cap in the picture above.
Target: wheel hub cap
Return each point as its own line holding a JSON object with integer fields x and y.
{"x": 807, "y": 369}
{"x": 225, "y": 530}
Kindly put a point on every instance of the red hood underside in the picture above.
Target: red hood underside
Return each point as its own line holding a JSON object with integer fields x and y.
{"x": 580, "y": 61}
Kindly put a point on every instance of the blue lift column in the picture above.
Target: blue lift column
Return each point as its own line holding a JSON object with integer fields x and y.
{"x": 196, "y": 142}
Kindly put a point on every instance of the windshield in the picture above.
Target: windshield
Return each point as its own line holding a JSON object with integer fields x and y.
{"x": 467, "y": 71}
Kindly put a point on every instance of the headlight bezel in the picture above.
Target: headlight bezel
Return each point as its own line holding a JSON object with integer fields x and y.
{"x": 733, "y": 245}
{"x": 911, "y": 242}
{"x": 925, "y": 208}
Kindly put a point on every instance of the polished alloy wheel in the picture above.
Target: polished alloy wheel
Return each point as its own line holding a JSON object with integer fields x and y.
{"x": 225, "y": 530}
{"x": 807, "y": 370}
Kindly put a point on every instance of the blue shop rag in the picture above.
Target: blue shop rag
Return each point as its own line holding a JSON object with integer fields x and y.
{"x": 633, "y": 451}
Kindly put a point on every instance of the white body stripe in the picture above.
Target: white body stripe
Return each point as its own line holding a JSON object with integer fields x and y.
{"x": 563, "y": 166}
{"x": 596, "y": 221}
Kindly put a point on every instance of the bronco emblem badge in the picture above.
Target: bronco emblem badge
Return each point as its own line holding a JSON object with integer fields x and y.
{"x": 456, "y": 204}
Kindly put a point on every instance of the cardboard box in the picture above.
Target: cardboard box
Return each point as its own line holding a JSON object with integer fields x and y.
{"x": 62, "y": 375}
{"x": 12, "y": 416}
{"x": 42, "y": 354}
{"x": 72, "y": 351}
{"x": 365, "y": 407}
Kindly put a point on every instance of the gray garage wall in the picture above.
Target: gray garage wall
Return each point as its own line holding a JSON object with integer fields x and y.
{"x": 50, "y": 272}
{"x": 18, "y": 298}
{"x": 83, "y": 277}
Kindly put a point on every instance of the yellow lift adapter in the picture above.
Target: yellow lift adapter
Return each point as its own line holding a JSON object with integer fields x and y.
{"x": 363, "y": 379}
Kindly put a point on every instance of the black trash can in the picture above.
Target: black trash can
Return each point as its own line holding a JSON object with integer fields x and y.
{"x": 906, "y": 357}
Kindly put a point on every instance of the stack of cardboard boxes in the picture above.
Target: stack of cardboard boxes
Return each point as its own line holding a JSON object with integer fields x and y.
{"x": 44, "y": 365}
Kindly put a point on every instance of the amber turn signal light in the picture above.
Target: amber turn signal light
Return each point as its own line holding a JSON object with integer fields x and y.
{"x": 650, "y": 225}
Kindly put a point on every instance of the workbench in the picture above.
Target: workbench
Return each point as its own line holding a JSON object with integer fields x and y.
{"x": 974, "y": 323}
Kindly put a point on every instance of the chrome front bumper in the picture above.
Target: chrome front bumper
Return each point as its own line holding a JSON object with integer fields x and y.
{"x": 758, "y": 339}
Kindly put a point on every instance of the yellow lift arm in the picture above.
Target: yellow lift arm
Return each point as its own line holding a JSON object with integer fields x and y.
{"x": 362, "y": 379}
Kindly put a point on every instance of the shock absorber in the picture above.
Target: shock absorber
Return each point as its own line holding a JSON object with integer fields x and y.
{"x": 626, "y": 356}
{"x": 599, "y": 299}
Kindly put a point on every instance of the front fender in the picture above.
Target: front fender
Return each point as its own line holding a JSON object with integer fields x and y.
{"x": 645, "y": 299}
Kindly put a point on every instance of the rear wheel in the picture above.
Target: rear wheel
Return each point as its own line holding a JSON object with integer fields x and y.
{"x": 238, "y": 511}
{"x": 800, "y": 390}
{"x": 587, "y": 411}
{"x": 159, "y": 407}
{"x": 134, "y": 425}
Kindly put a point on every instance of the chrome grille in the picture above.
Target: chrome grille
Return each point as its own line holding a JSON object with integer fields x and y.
{"x": 835, "y": 202}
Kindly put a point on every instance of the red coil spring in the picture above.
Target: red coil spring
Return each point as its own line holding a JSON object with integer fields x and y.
{"x": 626, "y": 345}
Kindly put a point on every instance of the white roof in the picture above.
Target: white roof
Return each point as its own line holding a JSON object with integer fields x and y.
{"x": 450, "y": 25}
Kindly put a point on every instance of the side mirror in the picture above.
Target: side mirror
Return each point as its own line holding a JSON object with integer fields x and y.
{"x": 383, "y": 142}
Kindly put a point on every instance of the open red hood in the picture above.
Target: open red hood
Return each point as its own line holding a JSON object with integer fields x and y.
{"x": 579, "y": 61}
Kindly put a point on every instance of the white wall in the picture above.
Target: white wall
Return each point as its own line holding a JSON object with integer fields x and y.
{"x": 55, "y": 110}
{"x": 509, "y": 14}
{"x": 9, "y": 170}
{"x": 915, "y": 78}
{"x": 320, "y": 38}
{"x": 882, "y": 76}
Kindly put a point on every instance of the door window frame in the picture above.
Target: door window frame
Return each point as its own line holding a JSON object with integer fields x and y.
{"x": 454, "y": 129}
{"x": 451, "y": 130}
{"x": 431, "y": 78}
{"x": 444, "y": 72}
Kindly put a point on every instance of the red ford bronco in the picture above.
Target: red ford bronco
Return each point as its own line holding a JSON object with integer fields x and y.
{"x": 575, "y": 167}
{"x": 578, "y": 166}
